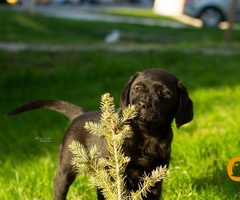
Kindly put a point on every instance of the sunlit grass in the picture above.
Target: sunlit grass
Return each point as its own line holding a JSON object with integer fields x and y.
{"x": 199, "y": 164}
{"x": 134, "y": 12}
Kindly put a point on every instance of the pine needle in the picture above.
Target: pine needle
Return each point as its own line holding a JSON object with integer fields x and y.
{"x": 149, "y": 181}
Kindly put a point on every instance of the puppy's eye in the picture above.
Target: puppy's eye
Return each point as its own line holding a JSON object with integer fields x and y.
{"x": 163, "y": 93}
{"x": 137, "y": 88}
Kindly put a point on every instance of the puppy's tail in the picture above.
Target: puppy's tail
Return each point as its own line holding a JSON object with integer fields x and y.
{"x": 69, "y": 110}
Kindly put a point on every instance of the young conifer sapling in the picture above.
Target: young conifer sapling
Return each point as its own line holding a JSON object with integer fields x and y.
{"x": 107, "y": 173}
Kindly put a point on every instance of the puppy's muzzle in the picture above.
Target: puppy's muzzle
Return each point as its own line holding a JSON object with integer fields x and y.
{"x": 146, "y": 113}
{"x": 144, "y": 104}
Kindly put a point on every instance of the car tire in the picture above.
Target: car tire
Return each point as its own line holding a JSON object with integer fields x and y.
{"x": 211, "y": 17}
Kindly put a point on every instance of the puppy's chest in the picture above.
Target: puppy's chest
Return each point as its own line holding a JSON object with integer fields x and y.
{"x": 146, "y": 152}
{"x": 151, "y": 149}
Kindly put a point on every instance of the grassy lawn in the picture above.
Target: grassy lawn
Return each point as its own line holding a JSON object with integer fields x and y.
{"x": 201, "y": 150}
{"x": 133, "y": 12}
{"x": 19, "y": 27}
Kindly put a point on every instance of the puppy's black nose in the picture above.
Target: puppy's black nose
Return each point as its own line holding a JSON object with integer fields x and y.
{"x": 144, "y": 104}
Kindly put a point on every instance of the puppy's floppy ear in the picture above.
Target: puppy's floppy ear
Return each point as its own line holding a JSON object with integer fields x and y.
{"x": 185, "y": 109}
{"x": 124, "y": 100}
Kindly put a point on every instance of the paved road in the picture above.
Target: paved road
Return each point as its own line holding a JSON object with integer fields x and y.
{"x": 113, "y": 48}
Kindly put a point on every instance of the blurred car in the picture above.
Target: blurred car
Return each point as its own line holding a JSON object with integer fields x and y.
{"x": 211, "y": 12}
{"x": 13, "y": 2}
{"x": 8, "y": 1}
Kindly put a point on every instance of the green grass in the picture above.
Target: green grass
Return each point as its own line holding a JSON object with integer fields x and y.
{"x": 19, "y": 27}
{"x": 200, "y": 150}
{"x": 133, "y": 12}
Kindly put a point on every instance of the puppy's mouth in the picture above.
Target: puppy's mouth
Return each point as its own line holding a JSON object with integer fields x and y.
{"x": 145, "y": 117}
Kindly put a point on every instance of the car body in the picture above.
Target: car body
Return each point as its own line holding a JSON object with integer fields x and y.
{"x": 211, "y": 12}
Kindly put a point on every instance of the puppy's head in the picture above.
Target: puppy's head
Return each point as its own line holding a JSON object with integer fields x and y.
{"x": 159, "y": 98}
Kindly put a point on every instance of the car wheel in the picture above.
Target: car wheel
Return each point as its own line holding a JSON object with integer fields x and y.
{"x": 211, "y": 17}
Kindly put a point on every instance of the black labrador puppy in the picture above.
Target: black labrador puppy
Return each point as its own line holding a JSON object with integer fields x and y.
{"x": 159, "y": 98}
